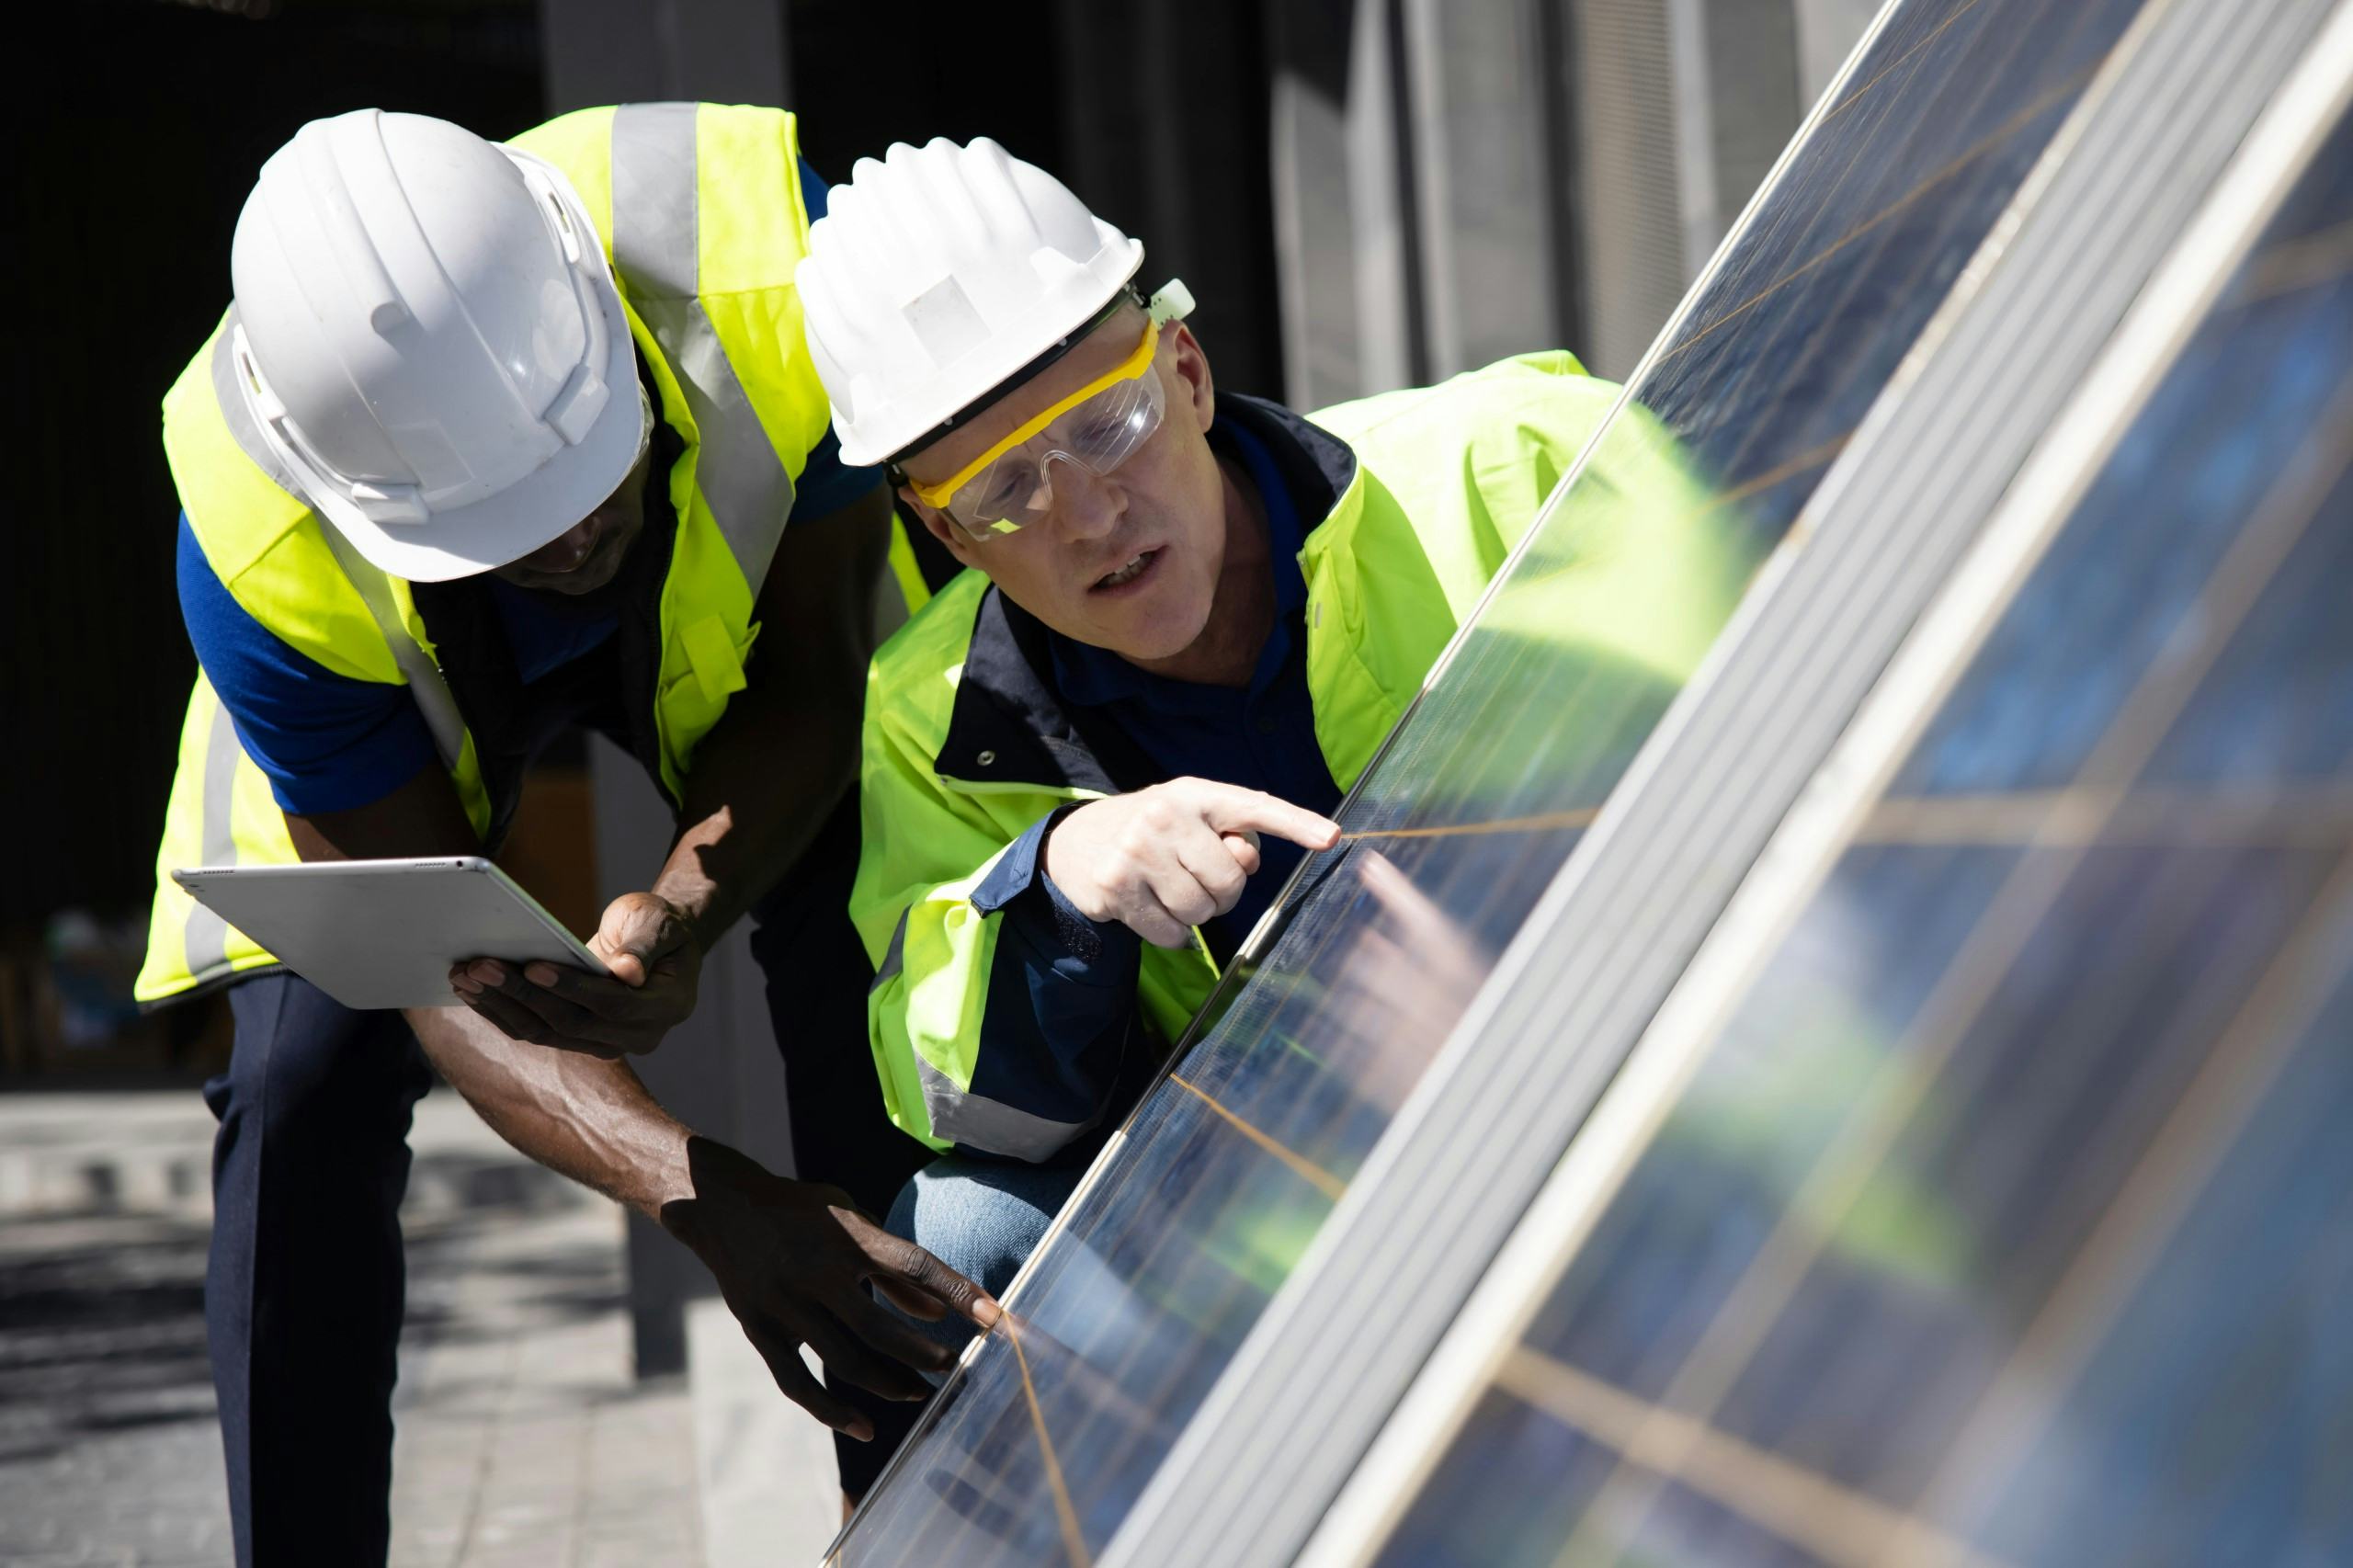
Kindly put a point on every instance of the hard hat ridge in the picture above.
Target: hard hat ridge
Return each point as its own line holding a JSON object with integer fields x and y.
{"x": 937, "y": 273}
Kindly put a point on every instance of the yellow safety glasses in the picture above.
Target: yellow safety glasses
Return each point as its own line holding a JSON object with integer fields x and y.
{"x": 1098, "y": 427}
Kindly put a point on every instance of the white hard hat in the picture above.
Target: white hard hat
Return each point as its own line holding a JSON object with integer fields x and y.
{"x": 431, "y": 341}
{"x": 937, "y": 274}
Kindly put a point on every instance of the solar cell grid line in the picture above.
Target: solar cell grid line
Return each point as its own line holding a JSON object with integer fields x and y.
{"x": 1073, "y": 1543}
{"x": 1834, "y": 1522}
{"x": 2208, "y": 1119}
{"x": 1848, "y": 99}
{"x": 2048, "y": 32}
{"x": 1307, "y": 1170}
{"x": 2056, "y": 95}
{"x": 2296, "y": 501}
{"x": 1087, "y": 1228}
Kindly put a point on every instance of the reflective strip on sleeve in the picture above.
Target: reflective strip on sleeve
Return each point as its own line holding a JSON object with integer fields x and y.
{"x": 655, "y": 240}
{"x": 966, "y": 1119}
{"x": 435, "y": 701}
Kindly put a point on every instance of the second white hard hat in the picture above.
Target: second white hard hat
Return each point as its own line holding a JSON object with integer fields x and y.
{"x": 937, "y": 274}
{"x": 430, "y": 338}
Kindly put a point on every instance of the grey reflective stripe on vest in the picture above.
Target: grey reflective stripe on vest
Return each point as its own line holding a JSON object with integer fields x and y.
{"x": 206, "y": 936}
{"x": 655, "y": 241}
{"x": 966, "y": 1119}
{"x": 434, "y": 699}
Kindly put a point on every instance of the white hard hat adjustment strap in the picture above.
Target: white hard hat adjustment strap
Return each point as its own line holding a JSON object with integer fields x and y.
{"x": 582, "y": 398}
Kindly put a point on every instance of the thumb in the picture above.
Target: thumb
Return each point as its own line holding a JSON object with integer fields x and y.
{"x": 637, "y": 929}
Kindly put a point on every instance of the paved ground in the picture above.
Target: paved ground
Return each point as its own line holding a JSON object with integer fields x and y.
{"x": 522, "y": 1437}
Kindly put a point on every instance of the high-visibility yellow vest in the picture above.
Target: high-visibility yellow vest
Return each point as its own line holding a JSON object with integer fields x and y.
{"x": 701, "y": 209}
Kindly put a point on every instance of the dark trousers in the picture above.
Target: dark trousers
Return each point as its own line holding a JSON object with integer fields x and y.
{"x": 304, "y": 1288}
{"x": 303, "y": 1294}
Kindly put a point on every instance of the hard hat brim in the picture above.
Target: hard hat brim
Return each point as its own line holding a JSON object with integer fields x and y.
{"x": 502, "y": 528}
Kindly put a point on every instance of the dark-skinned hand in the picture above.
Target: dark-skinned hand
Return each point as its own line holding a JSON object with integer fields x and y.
{"x": 793, "y": 1260}
{"x": 655, "y": 961}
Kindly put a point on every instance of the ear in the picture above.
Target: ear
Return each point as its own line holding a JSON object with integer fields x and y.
{"x": 1192, "y": 367}
{"x": 940, "y": 529}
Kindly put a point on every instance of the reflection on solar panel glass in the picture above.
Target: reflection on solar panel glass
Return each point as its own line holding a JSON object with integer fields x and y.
{"x": 2009, "y": 1219}
{"x": 1037, "y": 1449}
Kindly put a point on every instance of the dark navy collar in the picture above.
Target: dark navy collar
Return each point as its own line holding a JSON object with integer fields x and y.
{"x": 1010, "y": 707}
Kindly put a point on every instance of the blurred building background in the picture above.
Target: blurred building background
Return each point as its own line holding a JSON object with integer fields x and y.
{"x": 1362, "y": 194}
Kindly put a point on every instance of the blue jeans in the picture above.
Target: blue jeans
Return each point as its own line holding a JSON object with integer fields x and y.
{"x": 982, "y": 1218}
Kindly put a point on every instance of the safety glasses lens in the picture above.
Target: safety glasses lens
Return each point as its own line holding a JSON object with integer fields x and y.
{"x": 1099, "y": 435}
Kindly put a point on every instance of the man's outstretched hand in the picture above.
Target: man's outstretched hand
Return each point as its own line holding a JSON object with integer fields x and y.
{"x": 1164, "y": 859}
{"x": 649, "y": 945}
{"x": 793, "y": 1260}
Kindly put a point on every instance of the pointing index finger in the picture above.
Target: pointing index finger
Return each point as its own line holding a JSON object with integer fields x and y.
{"x": 1253, "y": 810}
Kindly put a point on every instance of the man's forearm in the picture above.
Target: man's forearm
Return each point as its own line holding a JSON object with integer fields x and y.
{"x": 584, "y": 1116}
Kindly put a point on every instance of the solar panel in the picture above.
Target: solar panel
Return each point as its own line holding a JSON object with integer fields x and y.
{"x": 1166, "y": 1261}
{"x": 2007, "y": 1215}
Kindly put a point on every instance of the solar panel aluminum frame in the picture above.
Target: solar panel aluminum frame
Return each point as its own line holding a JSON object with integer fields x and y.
{"x": 1794, "y": 865}
{"x": 1288, "y": 1421}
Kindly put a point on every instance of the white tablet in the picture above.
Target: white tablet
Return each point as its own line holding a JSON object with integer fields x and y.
{"x": 384, "y": 933}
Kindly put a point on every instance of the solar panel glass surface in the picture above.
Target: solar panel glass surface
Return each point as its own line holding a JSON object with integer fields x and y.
{"x": 2009, "y": 1217}
{"x": 1036, "y": 1451}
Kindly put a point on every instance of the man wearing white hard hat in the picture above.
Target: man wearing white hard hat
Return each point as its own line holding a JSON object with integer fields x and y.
{"x": 495, "y": 440}
{"x": 1090, "y": 762}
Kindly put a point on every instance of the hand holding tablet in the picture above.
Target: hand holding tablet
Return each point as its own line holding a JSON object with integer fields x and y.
{"x": 377, "y": 934}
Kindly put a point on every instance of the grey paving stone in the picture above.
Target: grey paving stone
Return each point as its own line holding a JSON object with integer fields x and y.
{"x": 520, "y": 1437}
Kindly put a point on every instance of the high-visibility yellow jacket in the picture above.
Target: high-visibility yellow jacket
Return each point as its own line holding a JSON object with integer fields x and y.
{"x": 701, "y": 209}
{"x": 967, "y": 743}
